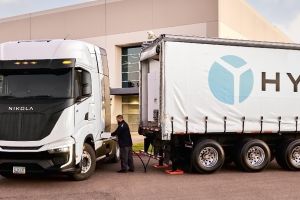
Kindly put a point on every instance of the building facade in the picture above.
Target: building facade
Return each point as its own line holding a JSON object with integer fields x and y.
{"x": 120, "y": 26}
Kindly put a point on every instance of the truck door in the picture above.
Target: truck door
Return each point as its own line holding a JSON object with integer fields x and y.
{"x": 153, "y": 90}
{"x": 85, "y": 115}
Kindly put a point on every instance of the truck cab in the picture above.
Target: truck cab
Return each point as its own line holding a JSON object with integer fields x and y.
{"x": 54, "y": 108}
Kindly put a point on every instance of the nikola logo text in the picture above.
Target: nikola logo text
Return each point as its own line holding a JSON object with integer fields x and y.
{"x": 20, "y": 108}
{"x": 231, "y": 80}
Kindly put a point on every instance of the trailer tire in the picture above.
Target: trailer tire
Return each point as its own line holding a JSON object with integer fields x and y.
{"x": 87, "y": 163}
{"x": 208, "y": 156}
{"x": 252, "y": 155}
{"x": 288, "y": 155}
{"x": 279, "y": 154}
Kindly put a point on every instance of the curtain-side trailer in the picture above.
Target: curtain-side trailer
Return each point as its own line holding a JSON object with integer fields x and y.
{"x": 207, "y": 100}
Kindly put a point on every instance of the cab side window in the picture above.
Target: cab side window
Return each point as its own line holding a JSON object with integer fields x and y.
{"x": 82, "y": 84}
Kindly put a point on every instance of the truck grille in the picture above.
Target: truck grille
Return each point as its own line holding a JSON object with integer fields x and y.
{"x": 30, "y": 125}
{"x": 23, "y": 126}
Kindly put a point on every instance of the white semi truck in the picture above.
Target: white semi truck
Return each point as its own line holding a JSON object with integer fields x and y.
{"x": 207, "y": 100}
{"x": 54, "y": 108}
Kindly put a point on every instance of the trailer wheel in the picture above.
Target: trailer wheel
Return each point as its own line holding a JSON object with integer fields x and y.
{"x": 208, "y": 156}
{"x": 88, "y": 163}
{"x": 279, "y": 154}
{"x": 252, "y": 155}
{"x": 288, "y": 155}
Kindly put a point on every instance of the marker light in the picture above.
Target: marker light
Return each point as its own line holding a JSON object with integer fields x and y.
{"x": 17, "y": 63}
{"x": 67, "y": 62}
{"x": 25, "y": 63}
{"x": 33, "y": 62}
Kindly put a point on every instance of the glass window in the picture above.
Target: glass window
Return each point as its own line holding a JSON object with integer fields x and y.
{"x": 130, "y": 66}
{"x": 27, "y": 83}
{"x": 130, "y": 108}
{"x": 83, "y": 83}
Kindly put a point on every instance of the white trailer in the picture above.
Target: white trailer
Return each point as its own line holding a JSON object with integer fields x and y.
{"x": 54, "y": 108}
{"x": 210, "y": 99}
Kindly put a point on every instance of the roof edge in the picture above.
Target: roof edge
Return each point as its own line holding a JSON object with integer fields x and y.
{"x": 57, "y": 10}
{"x": 222, "y": 41}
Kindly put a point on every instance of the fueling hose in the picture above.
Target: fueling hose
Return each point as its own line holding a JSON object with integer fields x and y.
{"x": 145, "y": 165}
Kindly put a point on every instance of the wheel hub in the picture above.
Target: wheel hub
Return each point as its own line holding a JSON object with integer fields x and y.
{"x": 86, "y": 162}
{"x": 208, "y": 157}
{"x": 255, "y": 156}
{"x": 295, "y": 156}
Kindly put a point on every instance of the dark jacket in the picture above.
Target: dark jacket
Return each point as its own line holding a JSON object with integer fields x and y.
{"x": 123, "y": 134}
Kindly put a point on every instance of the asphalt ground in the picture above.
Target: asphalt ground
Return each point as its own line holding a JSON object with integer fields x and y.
{"x": 228, "y": 183}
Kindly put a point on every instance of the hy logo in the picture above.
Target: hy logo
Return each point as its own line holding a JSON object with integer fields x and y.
{"x": 230, "y": 79}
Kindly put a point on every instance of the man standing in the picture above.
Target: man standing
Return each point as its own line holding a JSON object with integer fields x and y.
{"x": 125, "y": 143}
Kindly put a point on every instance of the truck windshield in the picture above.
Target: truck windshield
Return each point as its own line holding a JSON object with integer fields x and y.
{"x": 36, "y": 83}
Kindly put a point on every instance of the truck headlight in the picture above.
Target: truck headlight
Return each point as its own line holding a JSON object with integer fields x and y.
{"x": 61, "y": 146}
{"x": 64, "y": 149}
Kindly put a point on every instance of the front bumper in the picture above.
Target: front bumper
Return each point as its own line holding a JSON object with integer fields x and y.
{"x": 38, "y": 162}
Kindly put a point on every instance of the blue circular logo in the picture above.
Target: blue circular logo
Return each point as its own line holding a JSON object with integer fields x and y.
{"x": 230, "y": 79}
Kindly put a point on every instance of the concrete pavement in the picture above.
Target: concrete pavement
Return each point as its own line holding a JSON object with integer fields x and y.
{"x": 229, "y": 183}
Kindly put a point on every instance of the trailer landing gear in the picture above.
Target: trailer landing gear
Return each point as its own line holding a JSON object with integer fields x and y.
{"x": 161, "y": 164}
{"x": 174, "y": 172}
{"x": 158, "y": 166}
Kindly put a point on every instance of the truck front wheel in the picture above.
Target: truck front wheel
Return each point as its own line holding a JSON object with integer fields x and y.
{"x": 116, "y": 155}
{"x": 8, "y": 175}
{"x": 252, "y": 155}
{"x": 87, "y": 163}
{"x": 208, "y": 156}
{"x": 288, "y": 155}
